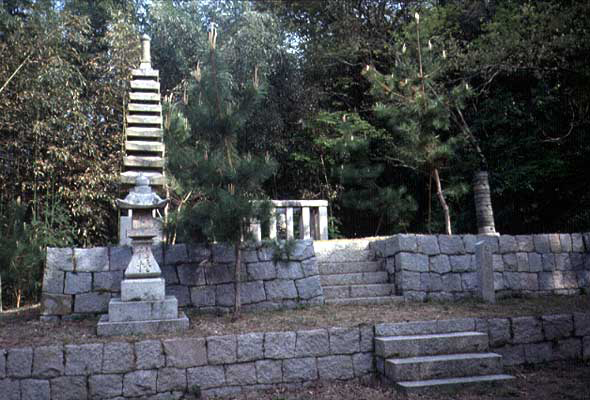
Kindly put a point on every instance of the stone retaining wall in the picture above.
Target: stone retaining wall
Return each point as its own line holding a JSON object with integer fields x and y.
{"x": 442, "y": 267}
{"x": 225, "y": 365}
{"x": 82, "y": 281}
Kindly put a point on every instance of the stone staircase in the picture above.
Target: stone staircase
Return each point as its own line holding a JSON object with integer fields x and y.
{"x": 426, "y": 355}
{"x": 350, "y": 274}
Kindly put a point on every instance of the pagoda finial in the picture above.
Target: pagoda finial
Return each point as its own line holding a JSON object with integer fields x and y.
{"x": 146, "y": 58}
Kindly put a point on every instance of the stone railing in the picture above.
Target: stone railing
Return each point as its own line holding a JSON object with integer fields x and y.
{"x": 443, "y": 267}
{"x": 231, "y": 364}
{"x": 313, "y": 220}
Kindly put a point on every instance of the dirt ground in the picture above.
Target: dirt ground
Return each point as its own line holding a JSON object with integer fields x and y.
{"x": 556, "y": 380}
{"x": 23, "y": 328}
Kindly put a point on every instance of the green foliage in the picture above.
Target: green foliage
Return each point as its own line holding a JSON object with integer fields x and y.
{"x": 26, "y": 233}
{"x": 282, "y": 250}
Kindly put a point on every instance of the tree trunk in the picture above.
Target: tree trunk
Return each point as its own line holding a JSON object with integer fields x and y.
{"x": 238, "y": 278}
{"x": 483, "y": 204}
{"x": 0, "y": 293}
{"x": 443, "y": 203}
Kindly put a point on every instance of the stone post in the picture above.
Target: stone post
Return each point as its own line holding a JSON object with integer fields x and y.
{"x": 256, "y": 230}
{"x": 485, "y": 271}
{"x": 272, "y": 233}
{"x": 146, "y": 58}
{"x": 290, "y": 229}
{"x": 323, "y": 223}
{"x": 304, "y": 222}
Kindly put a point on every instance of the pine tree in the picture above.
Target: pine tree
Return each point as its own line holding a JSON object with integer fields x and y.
{"x": 417, "y": 110}
{"x": 204, "y": 158}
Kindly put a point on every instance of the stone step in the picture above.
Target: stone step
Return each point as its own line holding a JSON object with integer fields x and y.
{"x": 137, "y": 107}
{"x": 418, "y": 386}
{"x": 144, "y": 132}
{"x": 144, "y": 119}
{"x": 354, "y": 279}
{"x": 152, "y": 147}
{"x": 344, "y": 255}
{"x": 141, "y": 96}
{"x": 329, "y": 246}
{"x": 145, "y": 84}
{"x": 366, "y": 300}
{"x": 327, "y": 268}
{"x": 425, "y": 345}
{"x": 156, "y": 179}
{"x": 154, "y": 73}
{"x": 443, "y": 366}
{"x": 371, "y": 290}
{"x": 145, "y": 162}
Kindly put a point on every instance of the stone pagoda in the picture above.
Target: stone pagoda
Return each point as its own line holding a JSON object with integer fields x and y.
{"x": 143, "y": 306}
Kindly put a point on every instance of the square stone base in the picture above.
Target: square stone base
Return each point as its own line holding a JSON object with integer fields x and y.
{"x": 121, "y": 311}
{"x": 131, "y": 328}
{"x": 148, "y": 289}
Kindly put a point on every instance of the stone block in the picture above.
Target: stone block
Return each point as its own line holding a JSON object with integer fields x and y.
{"x": 252, "y": 292}
{"x": 198, "y": 253}
{"x": 53, "y": 281}
{"x": 565, "y": 241}
{"x": 69, "y": 388}
{"x": 522, "y": 262}
{"x": 440, "y": 264}
{"x": 511, "y": 355}
{"x": 565, "y": 280}
{"x": 535, "y": 353}
{"x": 107, "y": 281}
{"x": 583, "y": 279}
{"x": 250, "y": 346}
{"x": 526, "y": 330}
{"x": 498, "y": 263}
{"x": 412, "y": 262}
{"x": 35, "y": 389}
{"x": 185, "y": 352}
{"x": 171, "y": 379}
{"x": 241, "y": 374}
{"x": 469, "y": 281}
{"x": 19, "y": 362}
{"x": 578, "y": 243}
{"x": 300, "y": 369}
{"x": 554, "y": 242}
{"x": 535, "y": 262}
{"x": 279, "y": 345}
{"x": 206, "y": 377}
{"x": 399, "y": 243}
{"x": 280, "y": 289}
{"x": 222, "y": 253}
{"x": 499, "y": 331}
{"x": 498, "y": 281}
{"x": 509, "y": 261}
{"x": 140, "y": 383}
{"x": 143, "y": 289}
{"x": 59, "y": 259}
{"x": 289, "y": 270}
{"x": 469, "y": 243}
{"x": 217, "y": 274}
{"x": 10, "y": 389}
{"x": 586, "y": 348}
{"x": 563, "y": 262}
{"x": 512, "y": 280}
{"x": 309, "y": 288}
{"x": 120, "y": 258}
{"x": 83, "y": 359}
{"x": 269, "y": 371}
{"x": 344, "y": 340}
{"x": 225, "y": 295}
{"x": 577, "y": 260}
{"x": 525, "y": 243}
{"x": 93, "y": 302}
{"x": 409, "y": 280}
{"x": 312, "y": 343}
{"x": 452, "y": 282}
{"x": 302, "y": 250}
{"x": 568, "y": 349}
{"x": 2, "y": 363}
{"x": 118, "y": 357}
{"x": 91, "y": 260}
{"x": 581, "y": 324}
{"x": 222, "y": 349}
{"x": 175, "y": 254}
{"x": 202, "y": 296}
{"x": 507, "y": 244}
{"x": 461, "y": 263}
{"x": 310, "y": 267}
{"x": 335, "y": 367}
{"x": 452, "y": 244}
{"x": 48, "y": 362}
{"x": 149, "y": 354}
{"x": 190, "y": 275}
{"x": 529, "y": 281}
{"x": 548, "y": 262}
{"x": 250, "y": 255}
{"x": 265, "y": 253}
{"x": 367, "y": 337}
{"x": 56, "y": 304}
{"x": 105, "y": 386}
{"x": 440, "y": 296}
{"x": 362, "y": 364}
{"x": 262, "y": 271}
{"x": 430, "y": 282}
{"x": 557, "y": 326}
{"x": 120, "y": 311}
{"x": 181, "y": 293}
{"x": 541, "y": 243}
{"x": 427, "y": 244}
{"x": 170, "y": 274}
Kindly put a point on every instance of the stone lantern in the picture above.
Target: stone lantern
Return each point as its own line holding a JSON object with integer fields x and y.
{"x": 143, "y": 306}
